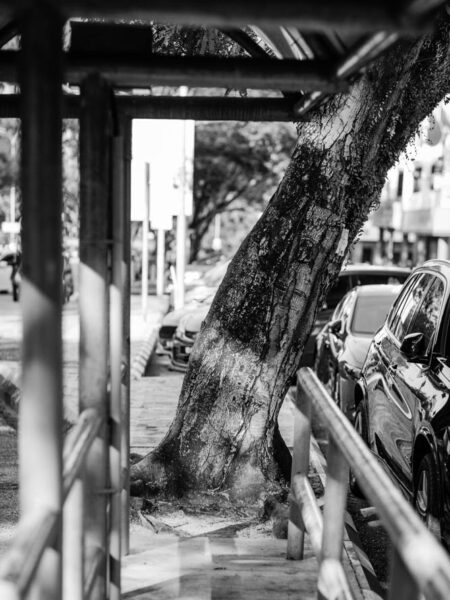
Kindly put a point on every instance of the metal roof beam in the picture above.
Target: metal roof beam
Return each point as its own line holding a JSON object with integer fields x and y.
{"x": 237, "y": 73}
{"x": 321, "y": 15}
{"x": 199, "y": 108}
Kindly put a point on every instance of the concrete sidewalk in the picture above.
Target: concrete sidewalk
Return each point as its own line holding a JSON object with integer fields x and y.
{"x": 143, "y": 336}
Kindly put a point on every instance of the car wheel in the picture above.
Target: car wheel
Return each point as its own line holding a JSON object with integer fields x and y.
{"x": 15, "y": 293}
{"x": 360, "y": 424}
{"x": 426, "y": 495}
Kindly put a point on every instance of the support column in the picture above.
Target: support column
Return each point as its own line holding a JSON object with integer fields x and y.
{"x": 125, "y": 400}
{"x": 95, "y": 222}
{"x": 145, "y": 231}
{"x": 160, "y": 262}
{"x": 40, "y": 432}
{"x": 116, "y": 343}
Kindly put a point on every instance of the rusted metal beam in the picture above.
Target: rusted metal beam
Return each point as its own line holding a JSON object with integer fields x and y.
{"x": 40, "y": 431}
{"x": 95, "y": 219}
{"x": 346, "y": 15}
{"x": 356, "y": 59}
{"x": 201, "y": 71}
{"x": 199, "y": 108}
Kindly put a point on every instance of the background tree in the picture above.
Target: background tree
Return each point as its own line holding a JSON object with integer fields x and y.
{"x": 225, "y": 433}
{"x": 236, "y": 163}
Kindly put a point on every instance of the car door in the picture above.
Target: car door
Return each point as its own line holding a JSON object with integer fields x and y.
{"x": 414, "y": 389}
{"x": 385, "y": 404}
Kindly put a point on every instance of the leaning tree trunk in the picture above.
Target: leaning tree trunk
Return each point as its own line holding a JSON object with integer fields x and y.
{"x": 225, "y": 431}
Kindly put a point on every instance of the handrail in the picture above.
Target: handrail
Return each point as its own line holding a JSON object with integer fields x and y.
{"x": 77, "y": 444}
{"x": 96, "y": 561}
{"x": 20, "y": 563}
{"x": 36, "y": 533}
{"x": 424, "y": 564}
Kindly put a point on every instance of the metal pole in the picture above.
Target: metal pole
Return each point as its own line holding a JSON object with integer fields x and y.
{"x": 145, "y": 242}
{"x": 125, "y": 399}
{"x": 40, "y": 431}
{"x": 95, "y": 132}
{"x": 335, "y": 502}
{"x": 300, "y": 465}
{"x": 73, "y": 543}
{"x": 160, "y": 261}
{"x": 116, "y": 342}
{"x": 181, "y": 224}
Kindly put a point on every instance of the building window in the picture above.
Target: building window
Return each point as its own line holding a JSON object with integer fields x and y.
{"x": 436, "y": 174}
{"x": 400, "y": 184}
{"x": 417, "y": 186}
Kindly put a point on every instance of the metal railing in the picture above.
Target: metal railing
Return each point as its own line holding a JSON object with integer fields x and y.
{"x": 420, "y": 567}
{"x": 38, "y": 532}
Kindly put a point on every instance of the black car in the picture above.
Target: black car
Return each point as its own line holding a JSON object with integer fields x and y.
{"x": 349, "y": 277}
{"x": 402, "y": 398}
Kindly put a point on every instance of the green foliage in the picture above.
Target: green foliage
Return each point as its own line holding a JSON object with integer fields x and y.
{"x": 237, "y": 167}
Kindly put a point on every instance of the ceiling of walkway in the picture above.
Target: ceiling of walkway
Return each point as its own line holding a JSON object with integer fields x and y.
{"x": 292, "y": 56}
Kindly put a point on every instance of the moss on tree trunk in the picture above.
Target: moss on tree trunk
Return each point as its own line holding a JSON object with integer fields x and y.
{"x": 224, "y": 434}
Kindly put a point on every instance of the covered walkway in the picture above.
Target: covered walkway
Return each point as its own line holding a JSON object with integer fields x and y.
{"x": 74, "y": 497}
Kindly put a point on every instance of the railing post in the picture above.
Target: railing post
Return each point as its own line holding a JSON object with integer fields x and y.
{"x": 401, "y": 585}
{"x": 125, "y": 399}
{"x": 40, "y": 431}
{"x": 116, "y": 331}
{"x": 333, "y": 515}
{"x": 73, "y": 543}
{"x": 95, "y": 220}
{"x": 300, "y": 465}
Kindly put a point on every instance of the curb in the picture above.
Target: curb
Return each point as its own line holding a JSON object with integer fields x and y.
{"x": 146, "y": 349}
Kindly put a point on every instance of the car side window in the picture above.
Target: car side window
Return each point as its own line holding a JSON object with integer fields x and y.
{"x": 396, "y": 308}
{"x": 407, "y": 308}
{"x": 340, "y": 288}
{"x": 426, "y": 318}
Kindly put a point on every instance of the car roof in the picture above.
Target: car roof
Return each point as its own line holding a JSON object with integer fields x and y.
{"x": 378, "y": 289}
{"x": 363, "y": 268}
{"x": 439, "y": 265}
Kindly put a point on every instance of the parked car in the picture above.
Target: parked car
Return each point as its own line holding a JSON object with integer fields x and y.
{"x": 171, "y": 321}
{"x": 349, "y": 277}
{"x": 402, "y": 398}
{"x": 185, "y": 336}
{"x": 342, "y": 345}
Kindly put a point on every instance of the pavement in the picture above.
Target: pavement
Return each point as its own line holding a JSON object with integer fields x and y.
{"x": 143, "y": 337}
{"x": 153, "y": 404}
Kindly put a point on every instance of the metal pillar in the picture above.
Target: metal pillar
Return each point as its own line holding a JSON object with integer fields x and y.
{"x": 40, "y": 432}
{"x": 145, "y": 231}
{"x": 95, "y": 219}
{"x": 116, "y": 343}
{"x": 160, "y": 261}
{"x": 125, "y": 400}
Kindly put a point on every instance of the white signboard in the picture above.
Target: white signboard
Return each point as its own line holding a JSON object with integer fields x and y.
{"x": 11, "y": 227}
{"x": 168, "y": 147}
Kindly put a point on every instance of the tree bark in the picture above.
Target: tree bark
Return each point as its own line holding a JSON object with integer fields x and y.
{"x": 225, "y": 431}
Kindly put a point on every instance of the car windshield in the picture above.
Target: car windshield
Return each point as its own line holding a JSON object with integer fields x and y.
{"x": 370, "y": 313}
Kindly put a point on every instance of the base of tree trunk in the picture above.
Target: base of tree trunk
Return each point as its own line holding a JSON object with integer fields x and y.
{"x": 254, "y": 476}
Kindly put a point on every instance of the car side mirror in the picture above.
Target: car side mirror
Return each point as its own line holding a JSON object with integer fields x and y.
{"x": 413, "y": 346}
{"x": 336, "y": 326}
